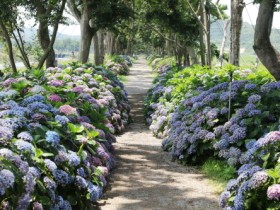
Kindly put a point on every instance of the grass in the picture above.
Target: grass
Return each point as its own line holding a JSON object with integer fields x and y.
{"x": 218, "y": 172}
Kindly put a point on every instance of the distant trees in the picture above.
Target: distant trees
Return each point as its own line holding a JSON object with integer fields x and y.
{"x": 47, "y": 13}
{"x": 96, "y": 15}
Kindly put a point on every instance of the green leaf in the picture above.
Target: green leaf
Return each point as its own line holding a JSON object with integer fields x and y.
{"x": 75, "y": 128}
{"x": 72, "y": 199}
{"x": 41, "y": 186}
{"x": 44, "y": 200}
{"x": 38, "y": 152}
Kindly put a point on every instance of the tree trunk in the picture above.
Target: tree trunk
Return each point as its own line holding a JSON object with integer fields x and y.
{"x": 262, "y": 45}
{"x": 10, "y": 46}
{"x": 222, "y": 49}
{"x": 237, "y": 7}
{"x": 98, "y": 42}
{"x": 193, "y": 56}
{"x": 201, "y": 35}
{"x": 87, "y": 33}
{"x": 44, "y": 39}
{"x": 186, "y": 57}
{"x": 206, "y": 18}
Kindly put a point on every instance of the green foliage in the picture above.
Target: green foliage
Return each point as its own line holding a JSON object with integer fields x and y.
{"x": 218, "y": 171}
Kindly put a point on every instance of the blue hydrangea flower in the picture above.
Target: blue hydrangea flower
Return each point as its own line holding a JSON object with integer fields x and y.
{"x": 24, "y": 202}
{"x": 254, "y": 112}
{"x": 80, "y": 182}
{"x": 254, "y": 98}
{"x": 50, "y": 165}
{"x": 250, "y": 87}
{"x": 50, "y": 184}
{"x": 239, "y": 202}
{"x": 73, "y": 158}
{"x": 25, "y": 136}
{"x": 94, "y": 191}
{"x": 31, "y": 99}
{"x": 231, "y": 185}
{"x": 6, "y": 134}
{"x": 7, "y": 180}
{"x": 61, "y": 177}
{"x": 52, "y": 137}
{"x": 63, "y": 120}
{"x": 24, "y": 146}
{"x": 223, "y": 199}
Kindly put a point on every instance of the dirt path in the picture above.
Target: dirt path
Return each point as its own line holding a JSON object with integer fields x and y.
{"x": 144, "y": 177}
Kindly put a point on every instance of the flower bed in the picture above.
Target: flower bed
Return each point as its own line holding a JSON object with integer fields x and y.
{"x": 203, "y": 125}
{"x": 56, "y": 137}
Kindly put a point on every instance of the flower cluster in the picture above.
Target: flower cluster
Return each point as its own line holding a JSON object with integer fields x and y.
{"x": 50, "y": 138}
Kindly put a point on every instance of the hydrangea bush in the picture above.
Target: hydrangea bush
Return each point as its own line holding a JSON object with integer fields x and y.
{"x": 56, "y": 135}
{"x": 118, "y": 64}
{"x": 201, "y": 124}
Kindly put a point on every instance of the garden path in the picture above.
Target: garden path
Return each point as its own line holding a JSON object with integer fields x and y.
{"x": 145, "y": 178}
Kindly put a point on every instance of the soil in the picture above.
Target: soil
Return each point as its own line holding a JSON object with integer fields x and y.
{"x": 145, "y": 178}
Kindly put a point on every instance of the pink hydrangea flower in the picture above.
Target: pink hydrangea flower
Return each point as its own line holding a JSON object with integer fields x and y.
{"x": 67, "y": 110}
{"x": 9, "y": 81}
{"x": 273, "y": 192}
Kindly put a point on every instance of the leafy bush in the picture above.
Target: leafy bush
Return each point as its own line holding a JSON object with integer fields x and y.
{"x": 56, "y": 135}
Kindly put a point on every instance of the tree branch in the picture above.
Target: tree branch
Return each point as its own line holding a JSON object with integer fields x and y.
{"x": 74, "y": 10}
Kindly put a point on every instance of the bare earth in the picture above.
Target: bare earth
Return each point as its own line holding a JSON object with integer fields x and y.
{"x": 145, "y": 178}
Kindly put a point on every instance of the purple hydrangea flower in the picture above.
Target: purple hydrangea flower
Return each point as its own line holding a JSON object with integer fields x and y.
{"x": 259, "y": 178}
{"x": 37, "y": 206}
{"x": 55, "y": 98}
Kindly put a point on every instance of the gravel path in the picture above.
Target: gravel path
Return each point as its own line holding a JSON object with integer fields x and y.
{"x": 144, "y": 177}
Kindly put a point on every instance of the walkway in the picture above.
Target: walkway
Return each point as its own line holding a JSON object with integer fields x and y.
{"x": 145, "y": 179}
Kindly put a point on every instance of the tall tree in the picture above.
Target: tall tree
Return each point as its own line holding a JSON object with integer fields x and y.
{"x": 265, "y": 51}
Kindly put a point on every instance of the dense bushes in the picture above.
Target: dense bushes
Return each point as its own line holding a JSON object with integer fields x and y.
{"x": 56, "y": 136}
{"x": 191, "y": 107}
